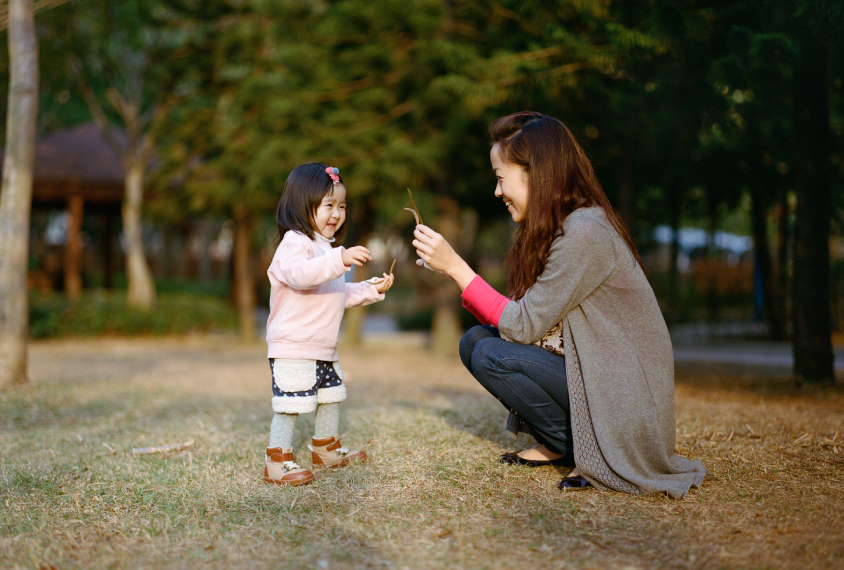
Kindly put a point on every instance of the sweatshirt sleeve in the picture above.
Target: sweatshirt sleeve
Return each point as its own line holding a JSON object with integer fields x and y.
{"x": 363, "y": 293}
{"x": 295, "y": 265}
{"x": 484, "y": 302}
{"x": 578, "y": 263}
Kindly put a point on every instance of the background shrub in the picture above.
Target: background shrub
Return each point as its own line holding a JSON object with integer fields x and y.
{"x": 106, "y": 313}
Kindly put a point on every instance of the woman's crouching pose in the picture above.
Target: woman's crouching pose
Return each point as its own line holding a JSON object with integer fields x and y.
{"x": 579, "y": 352}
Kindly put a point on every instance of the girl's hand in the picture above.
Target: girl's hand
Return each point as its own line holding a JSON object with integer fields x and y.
{"x": 433, "y": 249}
{"x": 384, "y": 285}
{"x": 357, "y": 255}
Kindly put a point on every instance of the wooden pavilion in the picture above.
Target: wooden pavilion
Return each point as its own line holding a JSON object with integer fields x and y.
{"x": 78, "y": 171}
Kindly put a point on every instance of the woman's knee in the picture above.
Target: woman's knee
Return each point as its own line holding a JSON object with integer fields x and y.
{"x": 470, "y": 340}
{"x": 485, "y": 358}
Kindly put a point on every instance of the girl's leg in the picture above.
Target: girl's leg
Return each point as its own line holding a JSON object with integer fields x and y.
{"x": 280, "y": 467}
{"x": 281, "y": 430}
{"x": 529, "y": 381}
{"x": 327, "y": 422}
{"x": 326, "y": 450}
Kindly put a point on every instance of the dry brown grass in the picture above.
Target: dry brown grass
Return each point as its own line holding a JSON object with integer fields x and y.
{"x": 432, "y": 496}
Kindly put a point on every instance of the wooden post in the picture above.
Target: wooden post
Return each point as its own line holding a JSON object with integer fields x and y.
{"x": 73, "y": 248}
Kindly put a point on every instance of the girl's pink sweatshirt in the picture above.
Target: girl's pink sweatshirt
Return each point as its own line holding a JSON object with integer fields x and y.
{"x": 308, "y": 296}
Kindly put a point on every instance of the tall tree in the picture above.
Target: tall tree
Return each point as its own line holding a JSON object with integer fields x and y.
{"x": 113, "y": 51}
{"x": 757, "y": 132}
{"x": 778, "y": 58}
{"x": 811, "y": 318}
{"x": 16, "y": 193}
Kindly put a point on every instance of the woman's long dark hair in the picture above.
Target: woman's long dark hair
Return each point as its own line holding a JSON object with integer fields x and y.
{"x": 304, "y": 190}
{"x": 560, "y": 180}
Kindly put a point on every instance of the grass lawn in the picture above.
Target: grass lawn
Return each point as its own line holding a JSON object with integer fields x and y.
{"x": 74, "y": 495}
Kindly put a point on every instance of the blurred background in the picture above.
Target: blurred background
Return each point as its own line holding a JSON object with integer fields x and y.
{"x": 715, "y": 128}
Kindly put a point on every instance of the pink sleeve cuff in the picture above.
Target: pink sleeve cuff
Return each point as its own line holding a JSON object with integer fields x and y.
{"x": 475, "y": 312}
{"x": 484, "y": 302}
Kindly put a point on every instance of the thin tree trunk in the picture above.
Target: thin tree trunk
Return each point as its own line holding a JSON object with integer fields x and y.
{"x": 783, "y": 214}
{"x": 244, "y": 276}
{"x": 627, "y": 182}
{"x": 360, "y": 229}
{"x": 812, "y": 339}
{"x": 141, "y": 287}
{"x": 714, "y": 267}
{"x": 445, "y": 327}
{"x": 16, "y": 193}
{"x": 675, "y": 207}
{"x": 773, "y": 314}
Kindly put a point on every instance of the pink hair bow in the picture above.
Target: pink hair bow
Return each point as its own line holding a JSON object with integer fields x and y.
{"x": 334, "y": 174}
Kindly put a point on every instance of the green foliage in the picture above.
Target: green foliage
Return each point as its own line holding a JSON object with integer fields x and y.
{"x": 394, "y": 97}
{"x": 101, "y": 313}
{"x": 685, "y": 105}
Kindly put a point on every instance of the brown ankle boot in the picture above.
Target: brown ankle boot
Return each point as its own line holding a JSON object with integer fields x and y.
{"x": 279, "y": 468}
{"x": 327, "y": 452}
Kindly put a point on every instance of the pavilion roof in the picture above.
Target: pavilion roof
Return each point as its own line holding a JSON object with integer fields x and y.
{"x": 79, "y": 155}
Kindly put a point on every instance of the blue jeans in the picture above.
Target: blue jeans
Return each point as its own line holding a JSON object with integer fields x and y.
{"x": 527, "y": 379}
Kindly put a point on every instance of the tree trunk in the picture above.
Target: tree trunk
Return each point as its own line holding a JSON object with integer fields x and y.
{"x": 783, "y": 213}
{"x": 714, "y": 262}
{"x": 445, "y": 327}
{"x": 627, "y": 182}
{"x": 812, "y": 337}
{"x": 140, "y": 285}
{"x": 244, "y": 276}
{"x": 362, "y": 226}
{"x": 675, "y": 206}
{"x": 16, "y": 193}
{"x": 773, "y": 314}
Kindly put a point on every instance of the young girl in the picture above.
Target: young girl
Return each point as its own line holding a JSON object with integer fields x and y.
{"x": 308, "y": 296}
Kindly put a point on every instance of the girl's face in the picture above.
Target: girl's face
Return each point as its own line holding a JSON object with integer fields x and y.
{"x": 331, "y": 213}
{"x": 512, "y": 184}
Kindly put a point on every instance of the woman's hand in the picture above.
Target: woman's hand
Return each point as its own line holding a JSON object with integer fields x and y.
{"x": 433, "y": 249}
{"x": 357, "y": 255}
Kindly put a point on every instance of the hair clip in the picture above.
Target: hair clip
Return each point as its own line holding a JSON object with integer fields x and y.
{"x": 333, "y": 172}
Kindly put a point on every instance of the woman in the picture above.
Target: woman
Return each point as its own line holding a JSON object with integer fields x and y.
{"x": 579, "y": 352}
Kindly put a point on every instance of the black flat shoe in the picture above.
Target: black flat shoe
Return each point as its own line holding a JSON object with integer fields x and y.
{"x": 574, "y": 484}
{"x": 512, "y": 458}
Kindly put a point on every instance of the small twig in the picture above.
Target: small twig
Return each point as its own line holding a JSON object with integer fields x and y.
{"x": 163, "y": 448}
{"x": 375, "y": 280}
{"x": 415, "y": 210}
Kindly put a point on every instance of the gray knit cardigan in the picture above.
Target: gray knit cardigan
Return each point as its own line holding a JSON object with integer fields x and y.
{"x": 618, "y": 357}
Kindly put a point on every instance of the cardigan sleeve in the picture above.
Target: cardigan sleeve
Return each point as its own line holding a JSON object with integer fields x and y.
{"x": 580, "y": 260}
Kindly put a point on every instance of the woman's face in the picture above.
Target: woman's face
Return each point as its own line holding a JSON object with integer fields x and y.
{"x": 512, "y": 184}
{"x": 331, "y": 213}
